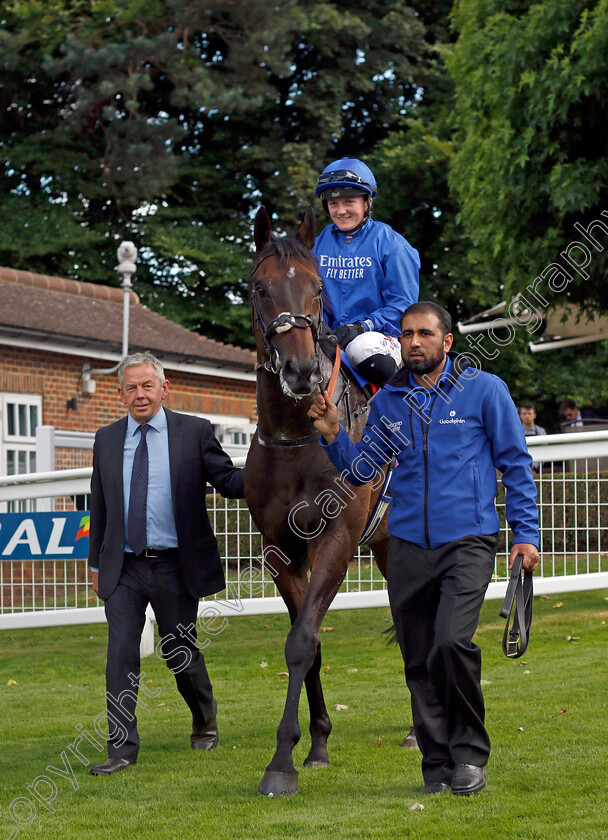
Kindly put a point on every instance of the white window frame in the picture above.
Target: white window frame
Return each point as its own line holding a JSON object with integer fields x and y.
{"x": 226, "y": 427}
{"x": 20, "y": 444}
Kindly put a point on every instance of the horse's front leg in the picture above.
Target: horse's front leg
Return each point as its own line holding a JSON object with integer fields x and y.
{"x": 329, "y": 563}
{"x": 302, "y": 655}
{"x": 320, "y": 724}
{"x": 281, "y": 777}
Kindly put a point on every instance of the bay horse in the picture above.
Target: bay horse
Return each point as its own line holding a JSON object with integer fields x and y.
{"x": 311, "y": 521}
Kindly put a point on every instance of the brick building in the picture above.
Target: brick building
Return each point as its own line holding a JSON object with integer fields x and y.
{"x": 55, "y": 337}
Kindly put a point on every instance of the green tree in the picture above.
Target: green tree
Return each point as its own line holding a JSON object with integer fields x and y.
{"x": 475, "y": 177}
{"x": 530, "y": 162}
{"x": 168, "y": 122}
{"x": 531, "y": 88}
{"x": 412, "y": 165}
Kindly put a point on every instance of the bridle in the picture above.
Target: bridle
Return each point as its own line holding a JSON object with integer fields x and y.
{"x": 282, "y": 323}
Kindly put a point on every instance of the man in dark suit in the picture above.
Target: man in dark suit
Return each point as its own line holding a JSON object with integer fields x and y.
{"x": 151, "y": 542}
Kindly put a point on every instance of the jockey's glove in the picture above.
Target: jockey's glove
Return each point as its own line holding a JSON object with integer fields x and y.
{"x": 347, "y": 332}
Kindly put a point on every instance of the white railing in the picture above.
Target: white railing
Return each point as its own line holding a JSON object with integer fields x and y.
{"x": 573, "y": 503}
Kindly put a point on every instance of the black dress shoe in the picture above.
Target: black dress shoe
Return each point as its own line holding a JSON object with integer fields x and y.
{"x": 434, "y": 787}
{"x": 112, "y": 765}
{"x": 468, "y": 779}
{"x": 204, "y": 735}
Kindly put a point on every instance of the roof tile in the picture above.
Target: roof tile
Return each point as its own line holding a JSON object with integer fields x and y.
{"x": 87, "y": 313}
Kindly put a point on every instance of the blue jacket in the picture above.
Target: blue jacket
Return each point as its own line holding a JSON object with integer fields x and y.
{"x": 369, "y": 278}
{"x": 449, "y": 442}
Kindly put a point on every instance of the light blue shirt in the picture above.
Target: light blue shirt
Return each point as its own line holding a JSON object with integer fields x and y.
{"x": 160, "y": 522}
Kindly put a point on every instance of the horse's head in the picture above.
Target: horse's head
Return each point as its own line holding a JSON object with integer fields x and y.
{"x": 285, "y": 290}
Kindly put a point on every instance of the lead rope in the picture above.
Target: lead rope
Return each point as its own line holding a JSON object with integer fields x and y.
{"x": 331, "y": 385}
{"x": 515, "y": 640}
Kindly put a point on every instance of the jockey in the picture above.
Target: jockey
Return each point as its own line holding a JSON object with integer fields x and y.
{"x": 369, "y": 272}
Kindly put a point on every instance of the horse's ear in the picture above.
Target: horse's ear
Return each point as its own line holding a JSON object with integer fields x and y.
{"x": 261, "y": 228}
{"x": 306, "y": 234}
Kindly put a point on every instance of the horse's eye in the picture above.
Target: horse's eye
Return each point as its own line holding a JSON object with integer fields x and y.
{"x": 260, "y": 291}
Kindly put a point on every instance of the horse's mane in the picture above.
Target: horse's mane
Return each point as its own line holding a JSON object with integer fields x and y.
{"x": 286, "y": 248}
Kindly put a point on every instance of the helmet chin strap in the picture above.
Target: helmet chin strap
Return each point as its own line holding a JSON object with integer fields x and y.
{"x": 358, "y": 227}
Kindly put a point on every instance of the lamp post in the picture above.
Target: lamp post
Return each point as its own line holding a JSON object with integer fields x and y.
{"x": 127, "y": 258}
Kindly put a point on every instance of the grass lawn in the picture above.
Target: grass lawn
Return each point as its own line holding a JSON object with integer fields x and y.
{"x": 546, "y": 716}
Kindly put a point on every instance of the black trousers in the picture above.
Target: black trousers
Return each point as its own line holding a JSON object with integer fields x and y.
{"x": 436, "y": 597}
{"x": 160, "y": 582}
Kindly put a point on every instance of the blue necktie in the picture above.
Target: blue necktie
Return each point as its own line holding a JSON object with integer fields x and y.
{"x": 136, "y": 522}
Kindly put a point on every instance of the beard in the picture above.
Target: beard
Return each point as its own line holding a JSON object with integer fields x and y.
{"x": 424, "y": 365}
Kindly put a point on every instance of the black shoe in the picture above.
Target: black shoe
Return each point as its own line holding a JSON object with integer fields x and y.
{"x": 468, "y": 779}
{"x": 204, "y": 735}
{"x": 112, "y": 765}
{"x": 434, "y": 787}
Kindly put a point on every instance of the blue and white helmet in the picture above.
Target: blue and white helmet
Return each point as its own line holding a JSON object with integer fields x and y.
{"x": 346, "y": 176}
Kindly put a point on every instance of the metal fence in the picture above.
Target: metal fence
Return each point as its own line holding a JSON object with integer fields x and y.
{"x": 572, "y": 484}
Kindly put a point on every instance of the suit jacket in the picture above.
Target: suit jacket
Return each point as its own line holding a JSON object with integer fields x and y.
{"x": 195, "y": 459}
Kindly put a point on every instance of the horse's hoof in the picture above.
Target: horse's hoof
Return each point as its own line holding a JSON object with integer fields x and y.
{"x": 410, "y": 742}
{"x": 276, "y": 783}
{"x": 316, "y": 762}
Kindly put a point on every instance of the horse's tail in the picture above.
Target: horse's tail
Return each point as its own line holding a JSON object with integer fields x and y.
{"x": 391, "y": 635}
